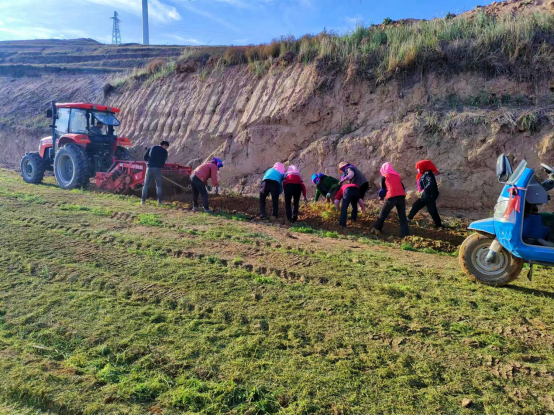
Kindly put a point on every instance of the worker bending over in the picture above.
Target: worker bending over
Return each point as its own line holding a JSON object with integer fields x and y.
{"x": 325, "y": 185}
{"x": 350, "y": 194}
{"x": 351, "y": 174}
{"x": 294, "y": 187}
{"x": 199, "y": 181}
{"x": 272, "y": 183}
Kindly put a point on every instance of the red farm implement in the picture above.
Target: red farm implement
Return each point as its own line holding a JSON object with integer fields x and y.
{"x": 127, "y": 175}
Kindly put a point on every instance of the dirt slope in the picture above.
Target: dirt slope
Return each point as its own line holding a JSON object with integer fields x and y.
{"x": 311, "y": 116}
{"x": 289, "y": 116}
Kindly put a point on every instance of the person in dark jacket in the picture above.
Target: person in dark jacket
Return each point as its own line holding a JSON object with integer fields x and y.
{"x": 325, "y": 185}
{"x": 350, "y": 194}
{"x": 428, "y": 191}
{"x": 393, "y": 193}
{"x": 351, "y": 174}
{"x": 156, "y": 157}
{"x": 97, "y": 130}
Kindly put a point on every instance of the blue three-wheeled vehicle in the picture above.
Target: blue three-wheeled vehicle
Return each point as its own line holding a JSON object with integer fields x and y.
{"x": 517, "y": 234}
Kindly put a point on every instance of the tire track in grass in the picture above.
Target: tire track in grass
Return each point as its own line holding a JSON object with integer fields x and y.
{"x": 141, "y": 248}
{"x": 229, "y": 248}
{"x": 77, "y": 257}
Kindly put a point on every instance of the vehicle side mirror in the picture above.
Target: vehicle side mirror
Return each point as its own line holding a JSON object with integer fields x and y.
{"x": 49, "y": 113}
{"x": 503, "y": 168}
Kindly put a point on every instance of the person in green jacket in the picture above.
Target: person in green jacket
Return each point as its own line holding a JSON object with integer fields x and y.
{"x": 325, "y": 185}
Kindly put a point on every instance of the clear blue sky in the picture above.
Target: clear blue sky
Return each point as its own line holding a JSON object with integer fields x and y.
{"x": 211, "y": 22}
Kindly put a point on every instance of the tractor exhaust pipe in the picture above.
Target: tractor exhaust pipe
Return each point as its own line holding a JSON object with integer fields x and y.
{"x": 53, "y": 126}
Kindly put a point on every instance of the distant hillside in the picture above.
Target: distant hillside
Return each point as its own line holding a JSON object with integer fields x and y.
{"x": 33, "y": 57}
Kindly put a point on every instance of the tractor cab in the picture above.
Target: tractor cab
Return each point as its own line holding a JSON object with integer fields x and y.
{"x": 102, "y": 124}
{"x": 98, "y": 123}
{"x": 83, "y": 141}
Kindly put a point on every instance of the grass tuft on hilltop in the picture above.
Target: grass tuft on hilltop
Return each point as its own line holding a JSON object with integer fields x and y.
{"x": 497, "y": 43}
{"x": 519, "y": 44}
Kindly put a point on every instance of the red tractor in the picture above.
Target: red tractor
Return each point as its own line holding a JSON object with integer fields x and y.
{"x": 84, "y": 144}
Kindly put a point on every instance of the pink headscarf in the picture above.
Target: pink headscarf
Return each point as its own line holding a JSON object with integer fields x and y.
{"x": 293, "y": 170}
{"x": 387, "y": 169}
{"x": 279, "y": 167}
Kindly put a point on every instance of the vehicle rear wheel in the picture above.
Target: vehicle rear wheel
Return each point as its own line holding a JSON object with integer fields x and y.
{"x": 32, "y": 168}
{"x": 502, "y": 271}
{"x": 71, "y": 167}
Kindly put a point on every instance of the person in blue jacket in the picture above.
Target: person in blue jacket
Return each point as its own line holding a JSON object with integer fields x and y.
{"x": 272, "y": 183}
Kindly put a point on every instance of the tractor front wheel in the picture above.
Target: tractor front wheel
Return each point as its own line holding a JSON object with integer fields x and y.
{"x": 502, "y": 271}
{"x": 32, "y": 168}
{"x": 71, "y": 167}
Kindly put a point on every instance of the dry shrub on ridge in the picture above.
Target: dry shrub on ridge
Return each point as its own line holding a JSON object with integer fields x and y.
{"x": 235, "y": 55}
{"x": 155, "y": 65}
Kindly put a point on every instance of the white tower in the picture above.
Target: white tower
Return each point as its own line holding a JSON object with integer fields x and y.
{"x": 145, "y": 35}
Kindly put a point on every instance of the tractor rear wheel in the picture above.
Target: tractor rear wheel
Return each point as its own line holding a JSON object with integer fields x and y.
{"x": 71, "y": 167}
{"x": 502, "y": 271}
{"x": 32, "y": 168}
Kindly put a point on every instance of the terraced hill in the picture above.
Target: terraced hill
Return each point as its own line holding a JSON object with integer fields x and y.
{"x": 78, "y": 55}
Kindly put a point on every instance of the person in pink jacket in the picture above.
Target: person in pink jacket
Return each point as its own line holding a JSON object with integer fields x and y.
{"x": 199, "y": 180}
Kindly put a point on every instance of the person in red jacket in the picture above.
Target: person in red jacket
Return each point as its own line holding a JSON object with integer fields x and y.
{"x": 351, "y": 194}
{"x": 394, "y": 193}
{"x": 428, "y": 191}
{"x": 293, "y": 187}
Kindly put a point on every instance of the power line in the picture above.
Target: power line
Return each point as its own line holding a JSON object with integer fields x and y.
{"x": 116, "y": 34}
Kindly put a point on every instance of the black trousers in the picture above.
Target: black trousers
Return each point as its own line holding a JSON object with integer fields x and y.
{"x": 351, "y": 197}
{"x": 270, "y": 187}
{"x": 400, "y": 203}
{"x": 293, "y": 192}
{"x": 363, "y": 190}
{"x": 199, "y": 188}
{"x": 431, "y": 205}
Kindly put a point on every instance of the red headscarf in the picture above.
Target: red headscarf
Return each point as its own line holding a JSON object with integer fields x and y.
{"x": 424, "y": 166}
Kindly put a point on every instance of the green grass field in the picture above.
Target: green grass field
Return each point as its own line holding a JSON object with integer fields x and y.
{"x": 110, "y": 307}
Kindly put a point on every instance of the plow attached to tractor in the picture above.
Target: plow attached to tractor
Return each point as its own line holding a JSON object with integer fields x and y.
{"x": 84, "y": 144}
{"x": 128, "y": 176}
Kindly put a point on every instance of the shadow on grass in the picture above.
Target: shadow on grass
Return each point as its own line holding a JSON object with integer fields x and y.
{"x": 529, "y": 291}
{"x": 47, "y": 185}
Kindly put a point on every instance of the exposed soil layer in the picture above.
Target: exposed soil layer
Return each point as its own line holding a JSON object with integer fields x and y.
{"x": 251, "y": 123}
